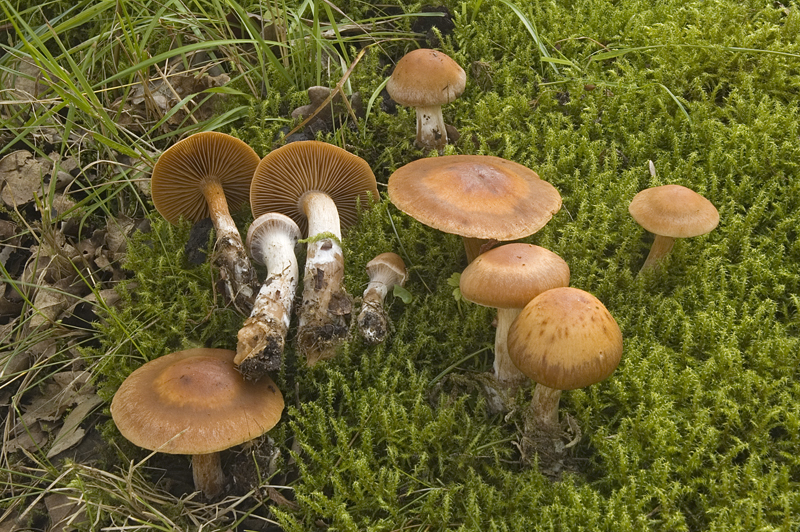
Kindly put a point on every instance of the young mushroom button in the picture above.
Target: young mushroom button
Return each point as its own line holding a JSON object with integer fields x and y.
{"x": 384, "y": 271}
{"x": 195, "y": 402}
{"x": 671, "y": 211}
{"x": 426, "y": 80}
{"x": 507, "y": 278}
{"x": 209, "y": 174}
{"x": 319, "y": 186}
{"x": 563, "y": 339}
{"x": 479, "y": 197}
{"x": 271, "y": 240}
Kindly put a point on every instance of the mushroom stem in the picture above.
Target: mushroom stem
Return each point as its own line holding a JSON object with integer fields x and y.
{"x": 262, "y": 338}
{"x": 207, "y": 474}
{"x": 662, "y": 246}
{"x": 385, "y": 271}
{"x": 473, "y": 247}
{"x": 504, "y": 369}
{"x": 326, "y": 307}
{"x": 431, "y": 131}
{"x": 229, "y": 253}
{"x": 543, "y": 414}
{"x": 373, "y": 323}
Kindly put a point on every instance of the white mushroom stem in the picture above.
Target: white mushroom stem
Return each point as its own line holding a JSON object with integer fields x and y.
{"x": 431, "y": 131}
{"x": 504, "y": 369}
{"x": 662, "y": 246}
{"x": 325, "y": 310}
{"x": 207, "y": 474}
{"x": 229, "y": 253}
{"x": 543, "y": 414}
{"x": 262, "y": 338}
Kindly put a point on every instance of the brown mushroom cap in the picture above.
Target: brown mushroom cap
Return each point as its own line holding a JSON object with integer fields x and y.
{"x": 674, "y": 211}
{"x": 565, "y": 339}
{"x": 285, "y": 174}
{"x": 424, "y": 78}
{"x": 180, "y": 172}
{"x": 509, "y": 276}
{"x": 194, "y": 402}
{"x": 475, "y": 196}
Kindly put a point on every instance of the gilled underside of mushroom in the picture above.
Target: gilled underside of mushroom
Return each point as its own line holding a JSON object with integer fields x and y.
{"x": 326, "y": 307}
{"x": 262, "y": 338}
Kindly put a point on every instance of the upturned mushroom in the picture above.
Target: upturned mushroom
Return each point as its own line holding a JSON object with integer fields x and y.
{"x": 209, "y": 174}
{"x": 479, "y": 197}
{"x": 427, "y": 79}
{"x": 384, "y": 272}
{"x": 271, "y": 240}
{"x": 195, "y": 402}
{"x": 670, "y": 212}
{"x": 319, "y": 186}
{"x": 563, "y": 339}
{"x": 507, "y": 278}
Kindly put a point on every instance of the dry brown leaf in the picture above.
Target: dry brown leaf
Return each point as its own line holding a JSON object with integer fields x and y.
{"x": 71, "y": 433}
{"x": 63, "y": 512}
{"x": 21, "y": 175}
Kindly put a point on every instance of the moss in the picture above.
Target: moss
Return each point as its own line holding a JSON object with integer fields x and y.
{"x": 698, "y": 428}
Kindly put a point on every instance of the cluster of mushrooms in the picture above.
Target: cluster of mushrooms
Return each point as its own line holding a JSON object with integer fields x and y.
{"x": 201, "y": 401}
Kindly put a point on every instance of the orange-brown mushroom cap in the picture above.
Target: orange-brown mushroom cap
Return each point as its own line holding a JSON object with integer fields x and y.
{"x": 180, "y": 172}
{"x": 194, "y": 402}
{"x": 674, "y": 211}
{"x": 285, "y": 174}
{"x": 565, "y": 339}
{"x": 424, "y": 78}
{"x": 475, "y": 196}
{"x": 509, "y": 276}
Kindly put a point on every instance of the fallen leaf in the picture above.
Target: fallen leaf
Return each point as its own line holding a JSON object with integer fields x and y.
{"x": 21, "y": 175}
{"x": 71, "y": 432}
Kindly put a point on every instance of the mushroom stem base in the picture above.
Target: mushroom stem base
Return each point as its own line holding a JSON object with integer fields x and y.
{"x": 373, "y": 323}
{"x": 662, "y": 246}
{"x": 325, "y": 311}
{"x": 260, "y": 346}
{"x": 236, "y": 274}
{"x": 208, "y": 475}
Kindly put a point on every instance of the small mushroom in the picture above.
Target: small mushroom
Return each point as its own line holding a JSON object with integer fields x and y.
{"x": 671, "y": 211}
{"x": 271, "y": 240}
{"x": 319, "y": 186}
{"x": 427, "y": 79}
{"x": 563, "y": 339}
{"x": 195, "y": 402}
{"x": 209, "y": 174}
{"x": 384, "y": 271}
{"x": 507, "y": 278}
{"x": 479, "y": 197}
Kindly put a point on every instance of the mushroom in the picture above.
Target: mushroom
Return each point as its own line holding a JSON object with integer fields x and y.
{"x": 319, "y": 186}
{"x": 479, "y": 197}
{"x": 195, "y": 402}
{"x": 271, "y": 240}
{"x": 203, "y": 175}
{"x": 384, "y": 271}
{"x": 507, "y": 278}
{"x": 563, "y": 339}
{"x": 426, "y": 79}
{"x": 671, "y": 211}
